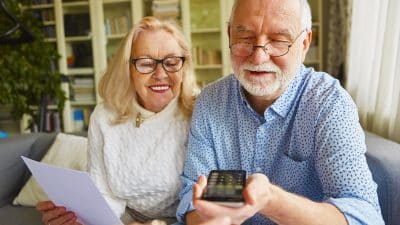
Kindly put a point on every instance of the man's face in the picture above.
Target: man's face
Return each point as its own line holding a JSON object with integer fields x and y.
{"x": 259, "y": 22}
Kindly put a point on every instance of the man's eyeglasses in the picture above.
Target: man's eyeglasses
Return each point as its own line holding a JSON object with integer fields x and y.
{"x": 148, "y": 65}
{"x": 273, "y": 48}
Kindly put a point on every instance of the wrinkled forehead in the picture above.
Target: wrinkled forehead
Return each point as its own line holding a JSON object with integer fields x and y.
{"x": 267, "y": 16}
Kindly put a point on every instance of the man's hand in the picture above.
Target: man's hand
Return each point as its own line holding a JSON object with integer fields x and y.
{"x": 56, "y": 215}
{"x": 257, "y": 195}
{"x": 218, "y": 221}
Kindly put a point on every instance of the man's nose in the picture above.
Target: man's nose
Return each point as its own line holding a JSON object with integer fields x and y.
{"x": 260, "y": 55}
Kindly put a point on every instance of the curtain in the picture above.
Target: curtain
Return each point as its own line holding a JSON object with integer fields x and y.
{"x": 373, "y": 77}
{"x": 338, "y": 27}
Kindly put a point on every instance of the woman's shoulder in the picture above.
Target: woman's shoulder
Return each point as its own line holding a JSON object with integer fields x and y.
{"x": 102, "y": 112}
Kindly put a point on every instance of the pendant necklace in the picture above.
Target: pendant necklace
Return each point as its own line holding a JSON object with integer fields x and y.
{"x": 139, "y": 119}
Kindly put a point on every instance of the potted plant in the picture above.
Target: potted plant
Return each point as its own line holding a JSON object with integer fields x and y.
{"x": 28, "y": 76}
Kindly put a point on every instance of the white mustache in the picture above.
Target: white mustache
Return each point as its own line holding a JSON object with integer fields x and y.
{"x": 260, "y": 68}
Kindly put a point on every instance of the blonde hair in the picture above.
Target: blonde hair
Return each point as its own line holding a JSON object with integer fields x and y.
{"x": 116, "y": 86}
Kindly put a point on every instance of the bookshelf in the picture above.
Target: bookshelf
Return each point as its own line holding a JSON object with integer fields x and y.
{"x": 205, "y": 28}
{"x": 315, "y": 53}
{"x": 204, "y": 23}
{"x": 76, "y": 45}
{"x": 87, "y": 33}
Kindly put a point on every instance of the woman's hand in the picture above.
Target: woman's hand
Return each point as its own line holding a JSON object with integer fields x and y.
{"x": 56, "y": 215}
{"x": 153, "y": 222}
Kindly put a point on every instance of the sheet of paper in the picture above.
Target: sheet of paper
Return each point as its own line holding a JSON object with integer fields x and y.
{"x": 75, "y": 190}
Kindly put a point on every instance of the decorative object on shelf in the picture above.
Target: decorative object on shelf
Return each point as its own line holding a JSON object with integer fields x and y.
{"x": 3, "y": 134}
{"x": 165, "y": 9}
{"x": 28, "y": 69}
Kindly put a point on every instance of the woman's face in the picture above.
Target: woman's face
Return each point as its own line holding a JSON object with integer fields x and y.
{"x": 156, "y": 89}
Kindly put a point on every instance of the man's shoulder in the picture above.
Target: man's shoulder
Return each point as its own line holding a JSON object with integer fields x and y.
{"x": 320, "y": 79}
{"x": 322, "y": 85}
{"x": 322, "y": 90}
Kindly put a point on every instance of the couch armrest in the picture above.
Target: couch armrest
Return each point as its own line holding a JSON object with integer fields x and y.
{"x": 13, "y": 172}
{"x": 383, "y": 157}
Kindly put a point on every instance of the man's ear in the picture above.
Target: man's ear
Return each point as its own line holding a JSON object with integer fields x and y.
{"x": 307, "y": 43}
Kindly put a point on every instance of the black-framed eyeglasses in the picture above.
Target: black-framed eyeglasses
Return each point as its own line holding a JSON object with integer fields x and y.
{"x": 148, "y": 65}
{"x": 273, "y": 48}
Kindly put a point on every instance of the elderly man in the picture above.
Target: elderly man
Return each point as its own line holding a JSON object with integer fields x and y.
{"x": 294, "y": 129}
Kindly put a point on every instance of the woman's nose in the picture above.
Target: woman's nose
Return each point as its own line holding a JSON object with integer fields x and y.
{"x": 159, "y": 72}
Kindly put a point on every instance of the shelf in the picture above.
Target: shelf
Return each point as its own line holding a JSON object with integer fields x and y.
{"x": 115, "y": 1}
{"x": 49, "y": 23}
{"x": 80, "y": 71}
{"x": 75, "y": 4}
{"x": 206, "y": 30}
{"x": 41, "y": 6}
{"x": 50, "y": 39}
{"x": 314, "y": 61}
{"x": 78, "y": 38}
{"x": 83, "y": 103}
{"x": 205, "y": 67}
{"x": 316, "y": 24}
{"x": 50, "y": 107}
{"x": 115, "y": 36}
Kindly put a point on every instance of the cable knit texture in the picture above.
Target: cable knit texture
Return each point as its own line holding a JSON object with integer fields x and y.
{"x": 138, "y": 167}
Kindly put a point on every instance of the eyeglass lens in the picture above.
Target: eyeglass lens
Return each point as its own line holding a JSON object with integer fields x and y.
{"x": 277, "y": 48}
{"x": 274, "y": 48}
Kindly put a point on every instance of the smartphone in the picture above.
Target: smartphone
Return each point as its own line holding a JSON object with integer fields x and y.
{"x": 225, "y": 187}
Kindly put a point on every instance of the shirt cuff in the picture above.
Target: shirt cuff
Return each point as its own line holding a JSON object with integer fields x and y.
{"x": 185, "y": 205}
{"x": 357, "y": 211}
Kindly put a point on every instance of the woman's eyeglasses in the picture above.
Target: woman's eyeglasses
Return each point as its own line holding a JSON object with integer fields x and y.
{"x": 148, "y": 65}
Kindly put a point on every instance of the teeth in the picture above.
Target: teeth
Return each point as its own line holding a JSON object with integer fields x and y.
{"x": 159, "y": 88}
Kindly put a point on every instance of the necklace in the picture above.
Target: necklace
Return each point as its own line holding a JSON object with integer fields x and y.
{"x": 139, "y": 119}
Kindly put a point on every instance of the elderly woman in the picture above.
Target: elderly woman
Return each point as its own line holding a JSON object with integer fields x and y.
{"x": 137, "y": 135}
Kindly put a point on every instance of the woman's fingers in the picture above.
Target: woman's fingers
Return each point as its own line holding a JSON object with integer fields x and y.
{"x": 50, "y": 215}
{"x": 68, "y": 218}
{"x": 45, "y": 206}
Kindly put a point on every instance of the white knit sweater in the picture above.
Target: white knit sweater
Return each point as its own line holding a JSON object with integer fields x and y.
{"x": 135, "y": 167}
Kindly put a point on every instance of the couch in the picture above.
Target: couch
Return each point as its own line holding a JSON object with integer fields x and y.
{"x": 383, "y": 157}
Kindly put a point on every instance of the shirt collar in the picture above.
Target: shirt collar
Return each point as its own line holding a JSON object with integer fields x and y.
{"x": 284, "y": 103}
{"x": 243, "y": 99}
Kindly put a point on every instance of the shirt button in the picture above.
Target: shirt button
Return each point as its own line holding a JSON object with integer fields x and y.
{"x": 258, "y": 169}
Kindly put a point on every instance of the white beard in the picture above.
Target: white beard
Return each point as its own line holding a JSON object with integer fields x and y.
{"x": 262, "y": 86}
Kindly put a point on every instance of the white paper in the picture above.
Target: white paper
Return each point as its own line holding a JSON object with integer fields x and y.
{"x": 74, "y": 190}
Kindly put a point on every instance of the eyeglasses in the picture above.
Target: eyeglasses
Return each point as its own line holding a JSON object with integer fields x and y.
{"x": 148, "y": 65}
{"x": 273, "y": 48}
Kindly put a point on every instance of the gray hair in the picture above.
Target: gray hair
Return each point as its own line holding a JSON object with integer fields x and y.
{"x": 306, "y": 19}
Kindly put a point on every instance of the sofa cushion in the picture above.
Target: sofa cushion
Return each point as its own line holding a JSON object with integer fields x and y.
{"x": 19, "y": 215}
{"x": 13, "y": 172}
{"x": 67, "y": 151}
{"x": 383, "y": 157}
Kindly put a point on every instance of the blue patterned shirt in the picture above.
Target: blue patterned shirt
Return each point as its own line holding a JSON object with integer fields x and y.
{"x": 309, "y": 142}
